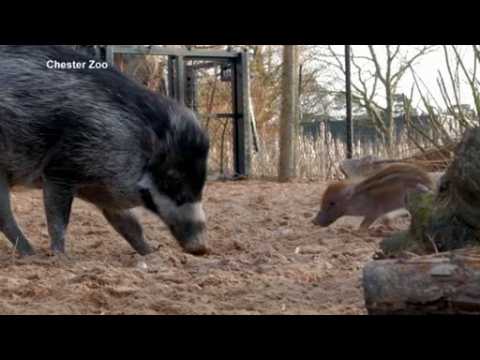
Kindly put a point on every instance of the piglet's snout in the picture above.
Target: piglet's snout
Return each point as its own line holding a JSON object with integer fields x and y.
{"x": 322, "y": 219}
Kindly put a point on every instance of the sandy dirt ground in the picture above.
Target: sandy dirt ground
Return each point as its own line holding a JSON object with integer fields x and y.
{"x": 267, "y": 258}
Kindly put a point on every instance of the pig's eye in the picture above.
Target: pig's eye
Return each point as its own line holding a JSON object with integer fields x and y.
{"x": 443, "y": 186}
{"x": 332, "y": 203}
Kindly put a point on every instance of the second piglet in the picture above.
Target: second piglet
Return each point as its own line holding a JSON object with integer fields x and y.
{"x": 372, "y": 197}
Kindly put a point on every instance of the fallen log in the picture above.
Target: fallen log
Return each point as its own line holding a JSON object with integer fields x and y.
{"x": 440, "y": 284}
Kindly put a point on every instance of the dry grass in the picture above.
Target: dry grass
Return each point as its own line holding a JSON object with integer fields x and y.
{"x": 319, "y": 159}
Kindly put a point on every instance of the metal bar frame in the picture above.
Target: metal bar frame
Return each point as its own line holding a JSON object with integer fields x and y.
{"x": 166, "y": 51}
{"x": 171, "y": 77}
{"x": 242, "y": 115}
{"x": 180, "y": 77}
{"x": 109, "y": 54}
{"x": 219, "y": 116}
{"x": 176, "y": 89}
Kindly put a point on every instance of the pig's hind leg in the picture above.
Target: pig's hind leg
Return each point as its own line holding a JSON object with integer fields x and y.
{"x": 8, "y": 225}
{"x": 127, "y": 225}
{"x": 388, "y": 219}
{"x": 57, "y": 198}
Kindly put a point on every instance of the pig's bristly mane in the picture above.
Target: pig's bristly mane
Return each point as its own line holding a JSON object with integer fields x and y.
{"x": 395, "y": 175}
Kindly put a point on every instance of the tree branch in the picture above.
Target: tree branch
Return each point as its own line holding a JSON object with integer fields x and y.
{"x": 470, "y": 80}
{"x": 455, "y": 93}
{"x": 377, "y": 65}
{"x": 408, "y": 63}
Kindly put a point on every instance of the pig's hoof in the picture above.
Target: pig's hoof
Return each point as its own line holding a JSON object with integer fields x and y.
{"x": 26, "y": 252}
{"x": 196, "y": 249}
{"x": 379, "y": 255}
{"x": 145, "y": 250}
{"x": 61, "y": 256}
{"x": 316, "y": 223}
{"x": 388, "y": 228}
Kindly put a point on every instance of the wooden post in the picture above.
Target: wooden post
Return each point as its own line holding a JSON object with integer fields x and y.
{"x": 348, "y": 94}
{"x": 286, "y": 167}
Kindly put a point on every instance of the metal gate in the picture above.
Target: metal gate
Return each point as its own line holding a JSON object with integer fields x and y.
{"x": 229, "y": 130}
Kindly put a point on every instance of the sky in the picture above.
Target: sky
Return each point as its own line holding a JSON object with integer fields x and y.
{"x": 427, "y": 69}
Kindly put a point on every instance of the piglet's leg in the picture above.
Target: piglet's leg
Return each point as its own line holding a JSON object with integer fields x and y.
{"x": 387, "y": 221}
{"x": 367, "y": 221}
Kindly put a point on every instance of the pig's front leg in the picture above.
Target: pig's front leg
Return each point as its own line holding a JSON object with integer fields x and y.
{"x": 127, "y": 225}
{"x": 8, "y": 224}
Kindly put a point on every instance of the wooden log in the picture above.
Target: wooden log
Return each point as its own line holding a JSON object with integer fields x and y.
{"x": 440, "y": 284}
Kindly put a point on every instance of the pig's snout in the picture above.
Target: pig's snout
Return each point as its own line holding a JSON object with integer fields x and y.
{"x": 196, "y": 245}
{"x": 323, "y": 219}
{"x": 316, "y": 220}
{"x": 190, "y": 229}
{"x": 191, "y": 236}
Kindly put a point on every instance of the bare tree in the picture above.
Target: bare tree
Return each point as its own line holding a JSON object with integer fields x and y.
{"x": 377, "y": 76}
{"x": 449, "y": 116}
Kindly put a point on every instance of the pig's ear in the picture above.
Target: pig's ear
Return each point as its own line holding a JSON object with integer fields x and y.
{"x": 157, "y": 149}
{"x": 153, "y": 141}
{"x": 145, "y": 183}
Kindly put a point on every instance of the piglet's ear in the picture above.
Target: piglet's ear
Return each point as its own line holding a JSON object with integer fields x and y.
{"x": 422, "y": 188}
{"x": 348, "y": 191}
